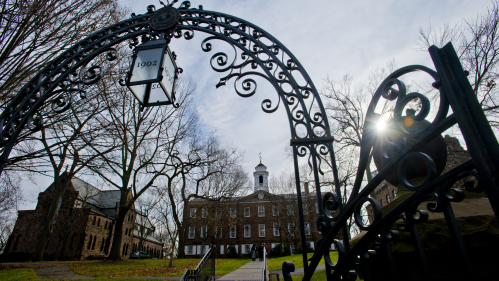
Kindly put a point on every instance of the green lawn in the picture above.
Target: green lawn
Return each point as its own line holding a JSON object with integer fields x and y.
{"x": 19, "y": 274}
{"x": 276, "y": 263}
{"x": 139, "y": 268}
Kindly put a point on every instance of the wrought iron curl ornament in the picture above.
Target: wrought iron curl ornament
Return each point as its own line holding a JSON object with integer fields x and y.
{"x": 380, "y": 232}
{"x": 261, "y": 55}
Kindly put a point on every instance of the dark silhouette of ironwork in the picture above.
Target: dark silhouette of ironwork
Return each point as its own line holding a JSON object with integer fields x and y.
{"x": 258, "y": 54}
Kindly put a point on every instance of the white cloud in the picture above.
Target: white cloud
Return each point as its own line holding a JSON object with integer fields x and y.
{"x": 327, "y": 37}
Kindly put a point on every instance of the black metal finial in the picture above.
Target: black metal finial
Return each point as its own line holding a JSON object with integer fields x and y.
{"x": 151, "y": 8}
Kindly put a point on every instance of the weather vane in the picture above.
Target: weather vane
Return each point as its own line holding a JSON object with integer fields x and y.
{"x": 260, "y": 156}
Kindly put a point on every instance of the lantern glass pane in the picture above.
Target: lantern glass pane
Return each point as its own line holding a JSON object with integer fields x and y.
{"x": 168, "y": 74}
{"x": 157, "y": 94}
{"x": 139, "y": 92}
{"x": 146, "y": 65}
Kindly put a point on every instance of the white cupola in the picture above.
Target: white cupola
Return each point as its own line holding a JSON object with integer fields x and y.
{"x": 261, "y": 178}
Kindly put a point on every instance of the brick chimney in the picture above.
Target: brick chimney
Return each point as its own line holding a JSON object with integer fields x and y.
{"x": 305, "y": 187}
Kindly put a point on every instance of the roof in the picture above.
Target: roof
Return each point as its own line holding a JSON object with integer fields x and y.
{"x": 95, "y": 196}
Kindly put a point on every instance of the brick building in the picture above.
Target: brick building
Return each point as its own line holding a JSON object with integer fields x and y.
{"x": 456, "y": 155}
{"x": 84, "y": 225}
{"x": 242, "y": 221}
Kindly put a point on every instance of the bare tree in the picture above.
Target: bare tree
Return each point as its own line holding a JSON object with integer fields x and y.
{"x": 146, "y": 139}
{"x": 34, "y": 32}
{"x": 206, "y": 170}
{"x": 477, "y": 44}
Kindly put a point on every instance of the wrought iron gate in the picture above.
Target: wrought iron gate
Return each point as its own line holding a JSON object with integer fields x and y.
{"x": 262, "y": 55}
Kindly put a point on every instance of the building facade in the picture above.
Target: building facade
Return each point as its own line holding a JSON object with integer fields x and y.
{"x": 84, "y": 226}
{"x": 234, "y": 225}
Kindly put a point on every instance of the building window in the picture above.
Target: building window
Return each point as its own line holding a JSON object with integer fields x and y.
{"x": 260, "y": 180}
{"x": 232, "y": 212}
{"x": 89, "y": 242}
{"x": 261, "y": 230}
{"x": 204, "y": 213}
{"x": 219, "y": 213}
{"x": 93, "y": 244}
{"x": 218, "y": 232}
{"x": 95, "y": 220}
{"x": 190, "y": 250}
{"x": 275, "y": 210}
{"x": 292, "y": 249}
{"x": 105, "y": 226}
{"x": 291, "y": 229}
{"x": 290, "y": 210}
{"x": 317, "y": 208}
{"x": 307, "y": 228}
{"x": 126, "y": 231}
{"x": 192, "y": 213}
{"x": 261, "y": 211}
{"x": 233, "y": 231}
{"x": 276, "y": 229}
{"x": 98, "y": 222}
{"x": 204, "y": 231}
{"x": 305, "y": 209}
{"x": 247, "y": 230}
{"x": 247, "y": 249}
{"x": 394, "y": 193}
{"x": 387, "y": 199}
{"x": 382, "y": 204}
{"x": 246, "y": 212}
{"x": 192, "y": 232}
{"x": 102, "y": 245}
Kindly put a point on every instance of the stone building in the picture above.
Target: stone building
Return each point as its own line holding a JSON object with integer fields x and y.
{"x": 84, "y": 225}
{"x": 240, "y": 222}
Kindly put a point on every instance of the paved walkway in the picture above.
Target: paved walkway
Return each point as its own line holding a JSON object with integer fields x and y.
{"x": 250, "y": 271}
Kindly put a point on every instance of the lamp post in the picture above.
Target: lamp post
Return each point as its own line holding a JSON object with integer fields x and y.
{"x": 153, "y": 74}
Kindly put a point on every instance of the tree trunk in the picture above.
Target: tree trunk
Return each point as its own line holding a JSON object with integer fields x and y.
{"x": 181, "y": 247}
{"x": 59, "y": 188}
{"x": 115, "y": 253}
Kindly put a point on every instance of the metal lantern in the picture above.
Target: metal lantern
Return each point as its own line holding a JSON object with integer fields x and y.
{"x": 153, "y": 74}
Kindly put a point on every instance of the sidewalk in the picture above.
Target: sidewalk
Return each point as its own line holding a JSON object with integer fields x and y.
{"x": 250, "y": 271}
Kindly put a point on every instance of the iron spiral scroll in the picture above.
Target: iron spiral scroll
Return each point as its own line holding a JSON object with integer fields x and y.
{"x": 434, "y": 190}
{"x": 256, "y": 54}
{"x": 61, "y": 80}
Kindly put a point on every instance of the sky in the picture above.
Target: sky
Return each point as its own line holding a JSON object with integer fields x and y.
{"x": 329, "y": 38}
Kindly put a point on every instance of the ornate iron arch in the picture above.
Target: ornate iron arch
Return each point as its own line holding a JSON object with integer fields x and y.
{"x": 261, "y": 55}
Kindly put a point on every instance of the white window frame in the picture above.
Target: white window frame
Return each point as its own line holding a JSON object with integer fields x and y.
{"x": 292, "y": 249}
{"x": 246, "y": 248}
{"x": 233, "y": 213}
{"x": 192, "y": 230}
{"x": 204, "y": 213}
{"x": 305, "y": 209}
{"x": 204, "y": 231}
{"x": 291, "y": 229}
{"x": 247, "y": 228}
{"x": 192, "y": 213}
{"x": 233, "y": 231}
{"x": 275, "y": 210}
{"x": 189, "y": 250}
{"x": 387, "y": 198}
{"x": 290, "y": 210}
{"x": 247, "y": 212}
{"x": 276, "y": 229}
{"x": 307, "y": 228}
{"x": 260, "y": 230}
{"x": 261, "y": 211}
